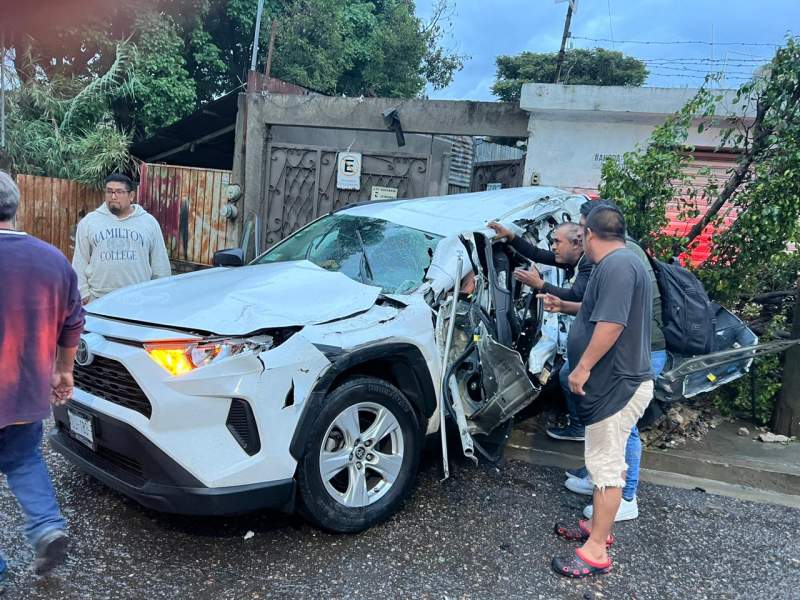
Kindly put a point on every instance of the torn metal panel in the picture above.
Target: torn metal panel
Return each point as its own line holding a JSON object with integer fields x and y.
{"x": 505, "y": 382}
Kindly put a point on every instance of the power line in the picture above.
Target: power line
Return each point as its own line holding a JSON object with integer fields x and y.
{"x": 663, "y": 43}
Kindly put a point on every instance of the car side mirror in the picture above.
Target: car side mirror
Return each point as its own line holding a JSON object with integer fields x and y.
{"x": 230, "y": 257}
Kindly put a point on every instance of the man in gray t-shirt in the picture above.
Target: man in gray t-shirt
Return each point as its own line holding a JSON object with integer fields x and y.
{"x": 609, "y": 346}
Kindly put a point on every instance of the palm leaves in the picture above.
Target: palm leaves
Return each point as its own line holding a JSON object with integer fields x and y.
{"x": 64, "y": 127}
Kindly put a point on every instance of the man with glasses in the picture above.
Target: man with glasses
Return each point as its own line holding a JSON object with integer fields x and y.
{"x": 118, "y": 244}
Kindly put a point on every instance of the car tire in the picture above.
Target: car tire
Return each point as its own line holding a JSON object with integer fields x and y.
{"x": 347, "y": 479}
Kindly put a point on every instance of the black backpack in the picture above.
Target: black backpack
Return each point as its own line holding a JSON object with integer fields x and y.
{"x": 687, "y": 315}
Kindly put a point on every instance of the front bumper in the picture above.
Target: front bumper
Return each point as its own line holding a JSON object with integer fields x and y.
{"x": 128, "y": 462}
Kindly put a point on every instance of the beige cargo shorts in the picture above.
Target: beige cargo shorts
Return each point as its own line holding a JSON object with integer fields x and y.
{"x": 606, "y": 440}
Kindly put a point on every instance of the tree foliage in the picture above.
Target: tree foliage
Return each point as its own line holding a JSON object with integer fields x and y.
{"x": 191, "y": 51}
{"x": 59, "y": 128}
{"x": 581, "y": 67}
{"x": 760, "y": 197}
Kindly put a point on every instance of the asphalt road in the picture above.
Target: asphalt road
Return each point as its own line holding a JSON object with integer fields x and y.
{"x": 479, "y": 535}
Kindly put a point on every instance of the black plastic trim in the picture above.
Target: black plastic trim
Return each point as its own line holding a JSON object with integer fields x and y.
{"x": 163, "y": 484}
{"x": 407, "y": 363}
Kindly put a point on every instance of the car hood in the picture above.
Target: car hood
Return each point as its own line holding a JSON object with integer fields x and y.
{"x": 238, "y": 301}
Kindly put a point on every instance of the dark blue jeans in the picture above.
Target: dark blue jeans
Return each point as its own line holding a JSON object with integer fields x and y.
{"x": 570, "y": 398}
{"x": 633, "y": 449}
{"x": 22, "y": 463}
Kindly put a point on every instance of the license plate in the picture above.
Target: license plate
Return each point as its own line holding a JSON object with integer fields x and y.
{"x": 81, "y": 428}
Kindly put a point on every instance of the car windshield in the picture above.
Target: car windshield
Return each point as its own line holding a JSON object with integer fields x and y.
{"x": 372, "y": 251}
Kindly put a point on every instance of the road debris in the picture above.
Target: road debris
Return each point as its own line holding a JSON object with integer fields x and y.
{"x": 769, "y": 438}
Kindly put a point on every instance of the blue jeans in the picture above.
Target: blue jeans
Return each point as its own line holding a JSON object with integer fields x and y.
{"x": 22, "y": 463}
{"x": 571, "y": 399}
{"x": 633, "y": 449}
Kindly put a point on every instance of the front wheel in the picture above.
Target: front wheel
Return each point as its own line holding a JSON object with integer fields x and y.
{"x": 361, "y": 457}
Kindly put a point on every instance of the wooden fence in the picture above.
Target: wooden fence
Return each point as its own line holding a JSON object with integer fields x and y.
{"x": 187, "y": 203}
{"x": 50, "y": 209}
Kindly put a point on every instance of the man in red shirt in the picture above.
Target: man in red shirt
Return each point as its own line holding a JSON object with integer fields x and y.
{"x": 41, "y": 320}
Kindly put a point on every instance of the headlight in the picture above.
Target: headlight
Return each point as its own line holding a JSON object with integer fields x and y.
{"x": 178, "y": 358}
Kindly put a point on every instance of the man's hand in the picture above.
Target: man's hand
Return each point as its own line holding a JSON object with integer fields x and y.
{"x": 551, "y": 303}
{"x": 577, "y": 379}
{"x": 85, "y": 301}
{"x": 530, "y": 278}
{"x": 501, "y": 231}
{"x": 61, "y": 385}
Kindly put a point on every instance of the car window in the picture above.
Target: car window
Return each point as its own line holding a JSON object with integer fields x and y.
{"x": 371, "y": 251}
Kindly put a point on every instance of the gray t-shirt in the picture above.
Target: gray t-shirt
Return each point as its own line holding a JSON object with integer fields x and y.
{"x": 618, "y": 292}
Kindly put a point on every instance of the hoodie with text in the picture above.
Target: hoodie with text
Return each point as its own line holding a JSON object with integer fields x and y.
{"x": 111, "y": 253}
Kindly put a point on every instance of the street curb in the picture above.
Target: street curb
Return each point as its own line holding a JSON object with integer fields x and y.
{"x": 740, "y": 478}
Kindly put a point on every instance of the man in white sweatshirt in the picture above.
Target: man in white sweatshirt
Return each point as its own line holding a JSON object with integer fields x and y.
{"x": 118, "y": 244}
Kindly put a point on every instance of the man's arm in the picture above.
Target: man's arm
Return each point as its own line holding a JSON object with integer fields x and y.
{"x": 554, "y": 304}
{"x": 159, "y": 258}
{"x": 604, "y": 337}
{"x": 525, "y": 248}
{"x": 81, "y": 258}
{"x": 61, "y": 381}
{"x": 574, "y": 293}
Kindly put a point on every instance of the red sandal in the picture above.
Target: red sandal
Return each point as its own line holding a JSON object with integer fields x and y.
{"x": 579, "y": 565}
{"x": 578, "y": 534}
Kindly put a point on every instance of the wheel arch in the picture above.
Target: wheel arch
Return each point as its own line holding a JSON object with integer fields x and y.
{"x": 401, "y": 364}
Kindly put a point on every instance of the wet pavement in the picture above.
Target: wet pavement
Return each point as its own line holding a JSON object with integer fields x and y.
{"x": 482, "y": 534}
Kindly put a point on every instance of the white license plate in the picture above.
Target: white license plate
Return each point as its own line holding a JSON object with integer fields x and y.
{"x": 81, "y": 428}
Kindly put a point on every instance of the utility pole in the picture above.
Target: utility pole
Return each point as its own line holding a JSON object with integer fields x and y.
{"x": 255, "y": 35}
{"x": 564, "y": 37}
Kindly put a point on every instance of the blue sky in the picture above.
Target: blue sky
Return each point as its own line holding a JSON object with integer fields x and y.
{"x": 484, "y": 29}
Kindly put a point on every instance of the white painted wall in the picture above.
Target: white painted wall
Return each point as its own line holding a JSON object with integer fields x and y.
{"x": 573, "y": 127}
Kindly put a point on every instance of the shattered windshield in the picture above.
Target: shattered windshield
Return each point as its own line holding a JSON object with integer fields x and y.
{"x": 372, "y": 251}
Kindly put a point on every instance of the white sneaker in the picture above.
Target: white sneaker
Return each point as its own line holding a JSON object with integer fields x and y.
{"x": 628, "y": 509}
{"x": 583, "y": 486}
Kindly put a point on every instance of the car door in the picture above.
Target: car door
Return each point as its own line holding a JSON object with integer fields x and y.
{"x": 502, "y": 347}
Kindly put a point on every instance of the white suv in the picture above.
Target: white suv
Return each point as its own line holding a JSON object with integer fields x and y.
{"x": 314, "y": 373}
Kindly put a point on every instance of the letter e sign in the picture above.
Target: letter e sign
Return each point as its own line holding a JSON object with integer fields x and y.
{"x": 348, "y": 171}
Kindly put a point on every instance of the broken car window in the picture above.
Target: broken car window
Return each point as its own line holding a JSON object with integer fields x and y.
{"x": 372, "y": 251}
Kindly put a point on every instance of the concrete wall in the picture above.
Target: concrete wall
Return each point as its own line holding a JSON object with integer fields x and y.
{"x": 572, "y": 128}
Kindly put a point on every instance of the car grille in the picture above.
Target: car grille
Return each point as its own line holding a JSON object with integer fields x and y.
{"x": 110, "y": 380}
{"x": 242, "y": 425}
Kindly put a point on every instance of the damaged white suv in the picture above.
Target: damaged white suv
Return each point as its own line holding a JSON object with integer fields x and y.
{"x": 311, "y": 376}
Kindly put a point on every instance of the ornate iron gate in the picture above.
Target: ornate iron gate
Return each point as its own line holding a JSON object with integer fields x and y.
{"x": 508, "y": 173}
{"x": 301, "y": 183}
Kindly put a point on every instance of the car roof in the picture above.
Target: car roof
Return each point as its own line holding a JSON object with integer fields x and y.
{"x": 457, "y": 213}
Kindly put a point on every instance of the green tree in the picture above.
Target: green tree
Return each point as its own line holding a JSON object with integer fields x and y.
{"x": 581, "y": 67}
{"x": 191, "y": 51}
{"x": 163, "y": 91}
{"x": 762, "y": 193}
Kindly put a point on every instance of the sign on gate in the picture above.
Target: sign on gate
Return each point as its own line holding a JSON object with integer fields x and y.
{"x": 383, "y": 193}
{"x": 348, "y": 171}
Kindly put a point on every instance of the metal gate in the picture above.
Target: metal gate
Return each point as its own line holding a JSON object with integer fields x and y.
{"x": 506, "y": 173}
{"x": 301, "y": 183}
